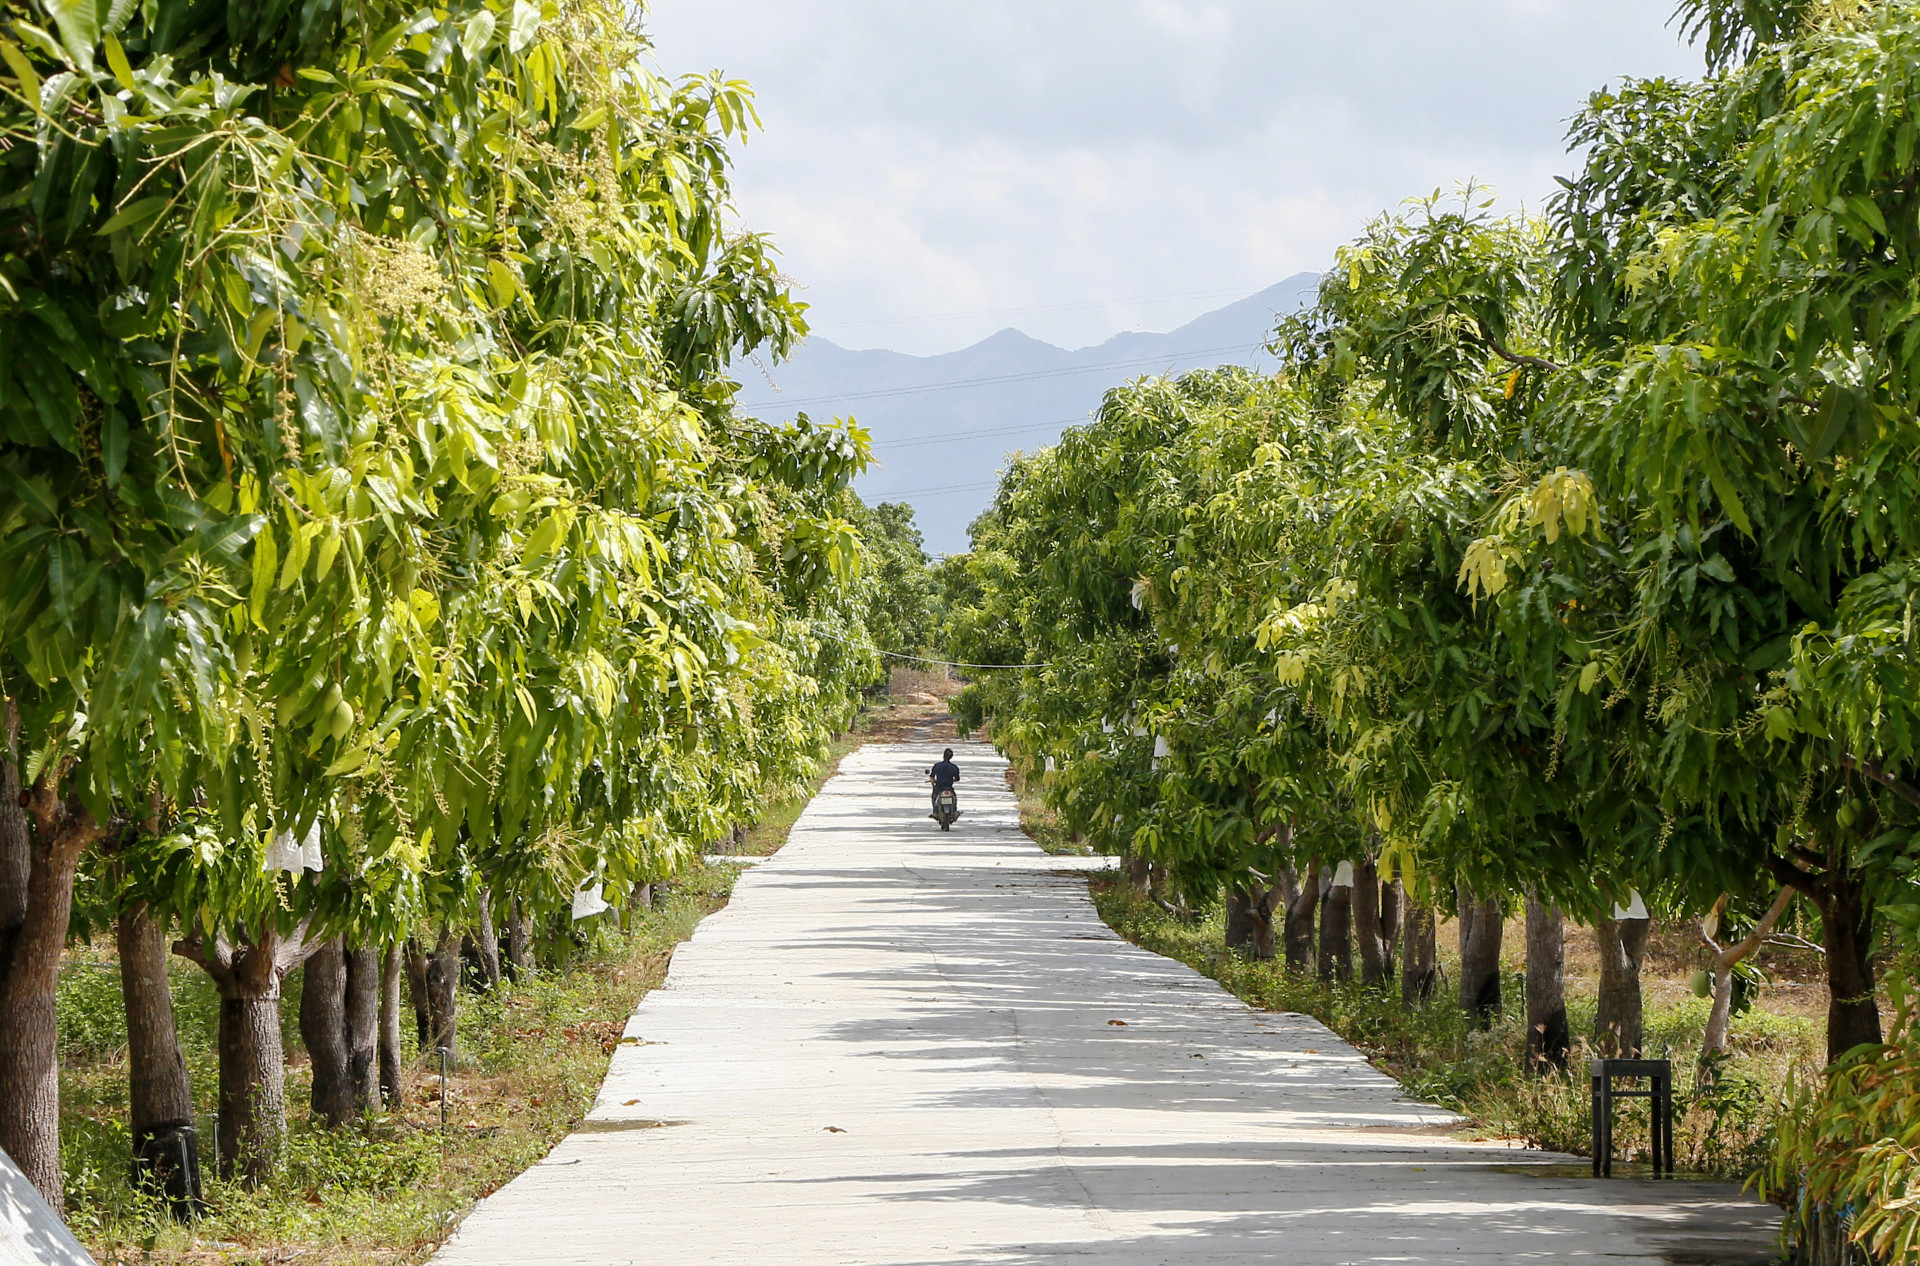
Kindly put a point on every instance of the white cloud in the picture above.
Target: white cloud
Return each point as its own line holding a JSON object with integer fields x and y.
{"x": 925, "y": 159}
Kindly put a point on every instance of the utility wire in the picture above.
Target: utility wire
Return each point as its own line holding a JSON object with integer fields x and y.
{"x": 935, "y": 492}
{"x": 1081, "y": 306}
{"x": 946, "y": 437}
{"x": 1029, "y": 376}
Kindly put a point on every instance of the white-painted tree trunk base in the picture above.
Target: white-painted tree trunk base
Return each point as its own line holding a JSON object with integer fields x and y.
{"x": 31, "y": 1234}
{"x": 899, "y": 1046}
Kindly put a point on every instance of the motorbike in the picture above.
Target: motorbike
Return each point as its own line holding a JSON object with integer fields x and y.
{"x": 946, "y": 807}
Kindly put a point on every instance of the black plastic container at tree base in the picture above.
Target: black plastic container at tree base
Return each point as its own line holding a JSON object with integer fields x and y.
{"x": 1659, "y": 1076}
{"x": 166, "y": 1162}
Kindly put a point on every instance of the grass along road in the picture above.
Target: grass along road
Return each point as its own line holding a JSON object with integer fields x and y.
{"x": 533, "y": 1056}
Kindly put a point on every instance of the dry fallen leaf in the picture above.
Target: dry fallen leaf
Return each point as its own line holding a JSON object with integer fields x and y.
{"x": 834, "y": 1129}
{"x": 1118, "y": 1023}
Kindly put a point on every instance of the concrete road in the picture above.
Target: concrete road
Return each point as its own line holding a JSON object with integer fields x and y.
{"x": 898, "y": 1046}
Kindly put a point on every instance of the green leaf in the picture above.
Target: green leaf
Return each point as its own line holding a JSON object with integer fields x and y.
{"x": 113, "y": 446}
{"x": 502, "y": 283}
{"x": 79, "y": 24}
{"x": 478, "y": 32}
{"x": 522, "y": 26}
{"x": 63, "y": 574}
{"x": 36, "y": 492}
{"x": 329, "y": 549}
{"x": 1867, "y": 210}
{"x": 546, "y": 536}
{"x": 117, "y": 61}
{"x": 1723, "y": 487}
{"x": 23, "y": 71}
{"x": 1779, "y": 724}
{"x": 349, "y": 762}
{"x": 136, "y": 213}
{"x": 425, "y": 607}
{"x": 265, "y": 556}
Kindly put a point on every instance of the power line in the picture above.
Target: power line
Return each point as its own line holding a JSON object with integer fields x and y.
{"x": 934, "y": 492}
{"x": 1082, "y": 306}
{"x": 1029, "y": 376}
{"x": 945, "y": 437}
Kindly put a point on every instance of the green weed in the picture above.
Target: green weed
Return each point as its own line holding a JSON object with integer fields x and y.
{"x": 532, "y": 1059}
{"x": 1440, "y": 1056}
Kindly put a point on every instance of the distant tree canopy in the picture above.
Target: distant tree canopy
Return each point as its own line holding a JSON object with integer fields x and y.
{"x": 905, "y": 614}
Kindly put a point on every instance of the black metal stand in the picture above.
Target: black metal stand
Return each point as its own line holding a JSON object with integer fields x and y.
{"x": 166, "y": 1162}
{"x": 1659, "y": 1076}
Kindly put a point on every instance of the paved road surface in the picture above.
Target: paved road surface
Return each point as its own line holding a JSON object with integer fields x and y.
{"x": 898, "y": 1046}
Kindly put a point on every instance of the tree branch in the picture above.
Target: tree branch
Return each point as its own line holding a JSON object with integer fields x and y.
{"x": 1789, "y": 875}
{"x": 1500, "y": 350}
{"x": 1905, "y": 790}
{"x": 298, "y": 947}
{"x": 1807, "y": 856}
{"x": 1726, "y": 958}
{"x": 217, "y": 962}
{"x": 1789, "y": 941}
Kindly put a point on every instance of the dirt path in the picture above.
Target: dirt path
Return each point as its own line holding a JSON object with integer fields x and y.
{"x": 898, "y": 1046}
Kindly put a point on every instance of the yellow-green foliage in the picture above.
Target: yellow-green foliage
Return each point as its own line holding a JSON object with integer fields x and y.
{"x": 1849, "y": 1150}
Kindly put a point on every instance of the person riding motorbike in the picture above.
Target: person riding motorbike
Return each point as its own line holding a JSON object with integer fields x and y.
{"x": 942, "y": 777}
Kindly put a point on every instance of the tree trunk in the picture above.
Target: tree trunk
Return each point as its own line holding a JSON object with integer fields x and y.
{"x": 1137, "y": 871}
{"x": 1419, "y": 962}
{"x": 1846, "y": 921}
{"x": 1336, "y": 939}
{"x": 1366, "y": 923}
{"x": 1481, "y": 932}
{"x": 323, "y": 1027}
{"x": 253, "y": 1088}
{"x": 340, "y": 1023}
{"x": 159, "y": 1095}
{"x": 417, "y": 993}
{"x": 443, "y": 996}
{"x": 489, "y": 940}
{"x": 253, "y": 1093}
{"x": 519, "y": 939}
{"x": 36, "y": 900}
{"x": 1720, "y": 1019}
{"x": 1392, "y": 901}
{"x": 1616, "y": 1028}
{"x": 1548, "y": 1038}
{"x": 363, "y": 1027}
{"x": 1157, "y": 882}
{"x": 390, "y": 1058}
{"x": 1250, "y": 920}
{"x": 1299, "y": 921}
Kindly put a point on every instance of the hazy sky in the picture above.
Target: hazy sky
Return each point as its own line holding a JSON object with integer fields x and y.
{"x": 935, "y": 170}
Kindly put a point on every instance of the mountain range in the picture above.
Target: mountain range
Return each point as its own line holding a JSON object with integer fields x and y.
{"x": 943, "y": 426}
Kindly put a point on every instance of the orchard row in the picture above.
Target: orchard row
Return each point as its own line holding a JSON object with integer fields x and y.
{"x": 380, "y": 551}
{"x": 1567, "y": 558}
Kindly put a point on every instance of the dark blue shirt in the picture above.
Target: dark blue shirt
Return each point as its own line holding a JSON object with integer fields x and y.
{"x": 945, "y": 773}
